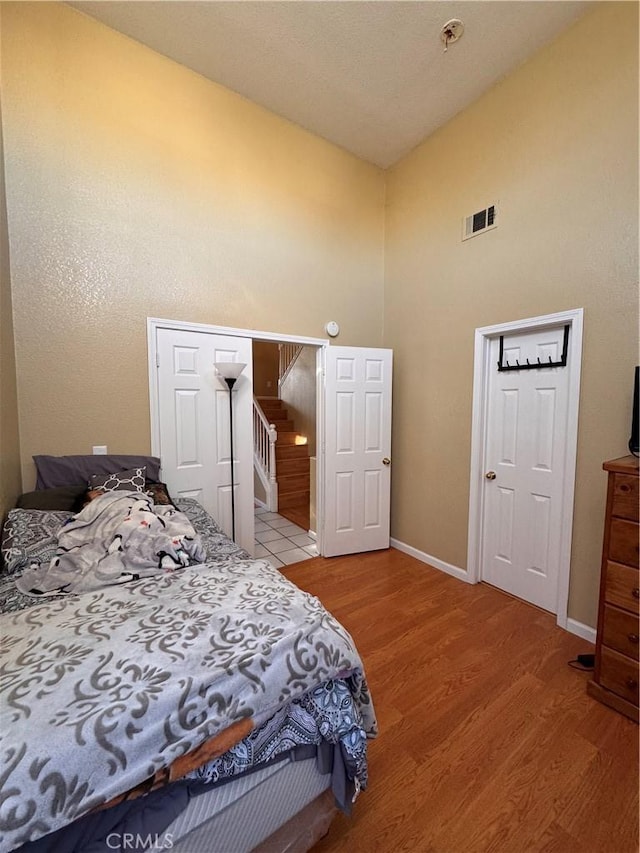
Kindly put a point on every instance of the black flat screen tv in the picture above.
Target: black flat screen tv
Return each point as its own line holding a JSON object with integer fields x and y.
{"x": 634, "y": 441}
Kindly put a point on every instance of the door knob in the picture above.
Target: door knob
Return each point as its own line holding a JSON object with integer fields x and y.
{"x": 386, "y": 461}
{"x": 490, "y": 475}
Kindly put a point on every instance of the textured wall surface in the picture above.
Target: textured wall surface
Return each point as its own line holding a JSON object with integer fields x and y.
{"x": 137, "y": 188}
{"x": 299, "y": 395}
{"x": 265, "y": 369}
{"x": 10, "y": 479}
{"x": 555, "y": 144}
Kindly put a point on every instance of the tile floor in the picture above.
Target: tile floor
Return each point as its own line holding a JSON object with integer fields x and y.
{"x": 280, "y": 541}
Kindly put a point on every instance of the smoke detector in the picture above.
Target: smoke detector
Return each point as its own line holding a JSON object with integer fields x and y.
{"x": 451, "y": 32}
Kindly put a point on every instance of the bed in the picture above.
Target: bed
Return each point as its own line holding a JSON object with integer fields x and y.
{"x": 208, "y": 707}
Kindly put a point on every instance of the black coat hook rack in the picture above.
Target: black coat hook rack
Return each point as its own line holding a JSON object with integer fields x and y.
{"x": 536, "y": 365}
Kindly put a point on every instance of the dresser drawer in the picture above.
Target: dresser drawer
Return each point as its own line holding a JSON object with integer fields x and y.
{"x": 625, "y": 496}
{"x": 623, "y": 587}
{"x": 619, "y": 674}
{"x": 623, "y": 542}
{"x": 620, "y": 631}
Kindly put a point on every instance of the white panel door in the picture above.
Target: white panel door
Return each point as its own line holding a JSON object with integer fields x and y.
{"x": 358, "y": 450}
{"x": 525, "y": 449}
{"x": 194, "y": 425}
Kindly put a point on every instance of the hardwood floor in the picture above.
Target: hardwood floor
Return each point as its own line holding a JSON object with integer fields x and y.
{"x": 488, "y": 740}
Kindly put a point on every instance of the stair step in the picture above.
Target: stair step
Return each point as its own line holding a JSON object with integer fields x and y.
{"x": 293, "y": 466}
{"x": 292, "y": 483}
{"x": 292, "y": 460}
{"x": 293, "y": 499}
{"x": 282, "y": 425}
{"x": 276, "y": 417}
{"x": 270, "y": 403}
{"x": 288, "y": 437}
{"x": 291, "y": 451}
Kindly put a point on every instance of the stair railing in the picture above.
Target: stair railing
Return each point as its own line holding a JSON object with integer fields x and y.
{"x": 265, "y": 436}
{"x": 288, "y": 353}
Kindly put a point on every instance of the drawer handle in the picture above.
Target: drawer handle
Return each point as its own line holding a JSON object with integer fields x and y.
{"x": 631, "y": 683}
{"x": 633, "y": 638}
{"x": 624, "y": 487}
{"x": 635, "y": 592}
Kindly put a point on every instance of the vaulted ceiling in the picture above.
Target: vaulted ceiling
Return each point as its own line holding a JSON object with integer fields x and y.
{"x": 369, "y": 75}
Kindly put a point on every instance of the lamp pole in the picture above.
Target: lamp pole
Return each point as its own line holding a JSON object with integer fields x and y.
{"x": 230, "y": 380}
{"x": 229, "y": 371}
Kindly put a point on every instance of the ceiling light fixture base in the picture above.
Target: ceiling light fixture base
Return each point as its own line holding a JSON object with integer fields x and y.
{"x": 451, "y": 32}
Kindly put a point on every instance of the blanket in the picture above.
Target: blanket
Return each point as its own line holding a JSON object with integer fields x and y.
{"x": 100, "y": 691}
{"x": 118, "y": 537}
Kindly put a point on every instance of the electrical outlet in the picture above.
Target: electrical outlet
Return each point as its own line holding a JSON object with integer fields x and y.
{"x": 99, "y": 449}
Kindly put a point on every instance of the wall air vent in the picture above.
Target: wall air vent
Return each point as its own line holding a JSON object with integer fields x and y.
{"x": 478, "y": 223}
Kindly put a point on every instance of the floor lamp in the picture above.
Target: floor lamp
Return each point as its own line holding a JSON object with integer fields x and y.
{"x": 229, "y": 371}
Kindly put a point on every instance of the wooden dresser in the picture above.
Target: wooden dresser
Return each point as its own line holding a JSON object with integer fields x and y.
{"x": 615, "y": 680}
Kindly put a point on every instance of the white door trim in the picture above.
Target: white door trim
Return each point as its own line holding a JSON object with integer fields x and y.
{"x": 154, "y": 323}
{"x": 481, "y": 372}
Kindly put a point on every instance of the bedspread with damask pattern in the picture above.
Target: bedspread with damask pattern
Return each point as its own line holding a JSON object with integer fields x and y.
{"x": 100, "y": 691}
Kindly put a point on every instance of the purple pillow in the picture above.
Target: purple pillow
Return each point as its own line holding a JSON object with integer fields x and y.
{"x": 55, "y": 471}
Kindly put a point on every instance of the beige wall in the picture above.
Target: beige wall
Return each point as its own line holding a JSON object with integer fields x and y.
{"x": 137, "y": 188}
{"x": 299, "y": 395}
{"x": 555, "y": 144}
{"x": 266, "y": 360}
{"x": 10, "y": 485}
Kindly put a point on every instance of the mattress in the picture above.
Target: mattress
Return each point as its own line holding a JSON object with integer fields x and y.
{"x": 236, "y": 817}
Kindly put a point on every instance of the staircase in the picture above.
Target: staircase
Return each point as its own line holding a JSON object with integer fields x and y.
{"x": 292, "y": 460}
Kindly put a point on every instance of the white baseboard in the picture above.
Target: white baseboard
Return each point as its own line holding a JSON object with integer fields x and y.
{"x": 581, "y": 630}
{"x": 573, "y": 626}
{"x": 432, "y": 561}
{"x": 260, "y": 503}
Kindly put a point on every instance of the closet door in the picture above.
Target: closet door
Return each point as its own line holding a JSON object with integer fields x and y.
{"x": 525, "y": 479}
{"x": 194, "y": 425}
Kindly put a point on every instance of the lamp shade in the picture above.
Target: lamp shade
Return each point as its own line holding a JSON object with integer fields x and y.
{"x": 229, "y": 369}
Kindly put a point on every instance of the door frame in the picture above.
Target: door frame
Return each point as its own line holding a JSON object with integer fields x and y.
{"x": 154, "y": 323}
{"x": 482, "y": 367}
